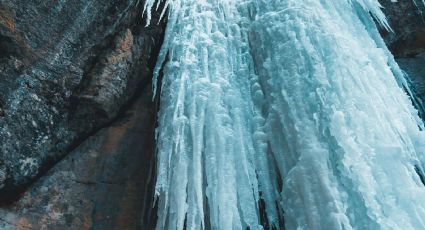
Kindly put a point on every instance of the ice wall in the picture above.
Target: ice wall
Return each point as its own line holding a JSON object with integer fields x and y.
{"x": 284, "y": 112}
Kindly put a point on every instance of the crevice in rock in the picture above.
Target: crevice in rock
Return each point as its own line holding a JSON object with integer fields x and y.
{"x": 136, "y": 24}
{"x": 420, "y": 173}
{"x": 94, "y": 183}
{"x": 1, "y": 109}
{"x": 10, "y": 196}
{"x": 8, "y": 47}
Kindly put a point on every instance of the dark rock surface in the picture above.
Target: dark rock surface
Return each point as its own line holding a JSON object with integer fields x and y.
{"x": 67, "y": 68}
{"x": 407, "y": 19}
{"x": 415, "y": 68}
{"x": 102, "y": 184}
{"x": 407, "y": 41}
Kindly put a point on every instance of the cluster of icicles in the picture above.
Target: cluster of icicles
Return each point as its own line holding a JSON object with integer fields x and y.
{"x": 284, "y": 113}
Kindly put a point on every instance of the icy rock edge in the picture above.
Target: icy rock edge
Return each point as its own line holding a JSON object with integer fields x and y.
{"x": 284, "y": 109}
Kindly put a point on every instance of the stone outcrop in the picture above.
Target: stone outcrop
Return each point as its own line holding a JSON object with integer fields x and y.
{"x": 407, "y": 21}
{"x": 407, "y": 41}
{"x": 105, "y": 183}
{"x": 67, "y": 69}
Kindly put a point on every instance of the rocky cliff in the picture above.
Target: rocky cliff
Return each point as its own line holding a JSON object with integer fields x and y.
{"x": 75, "y": 110}
{"x": 407, "y": 40}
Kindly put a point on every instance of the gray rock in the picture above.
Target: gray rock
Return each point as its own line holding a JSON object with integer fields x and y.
{"x": 66, "y": 69}
{"x": 407, "y": 43}
{"x": 407, "y": 20}
{"x": 414, "y": 67}
{"x": 103, "y": 184}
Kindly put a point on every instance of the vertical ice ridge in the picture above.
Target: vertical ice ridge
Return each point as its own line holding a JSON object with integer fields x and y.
{"x": 320, "y": 52}
{"x": 374, "y": 8}
{"x": 206, "y": 97}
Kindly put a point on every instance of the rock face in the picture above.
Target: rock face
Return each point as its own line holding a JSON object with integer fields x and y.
{"x": 103, "y": 184}
{"x": 407, "y": 41}
{"x": 407, "y": 20}
{"x": 67, "y": 68}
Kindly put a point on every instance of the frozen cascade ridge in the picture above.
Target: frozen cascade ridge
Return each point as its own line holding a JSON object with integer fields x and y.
{"x": 284, "y": 114}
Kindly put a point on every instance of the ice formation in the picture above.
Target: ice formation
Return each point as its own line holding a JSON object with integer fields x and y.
{"x": 284, "y": 113}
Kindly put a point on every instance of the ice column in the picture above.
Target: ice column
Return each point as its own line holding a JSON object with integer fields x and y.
{"x": 208, "y": 161}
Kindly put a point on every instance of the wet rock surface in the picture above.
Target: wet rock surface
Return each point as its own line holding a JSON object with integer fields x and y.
{"x": 67, "y": 68}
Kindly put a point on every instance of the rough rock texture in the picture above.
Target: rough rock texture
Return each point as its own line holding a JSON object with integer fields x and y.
{"x": 407, "y": 20}
{"x": 407, "y": 41}
{"x": 102, "y": 184}
{"x": 415, "y": 68}
{"x": 66, "y": 69}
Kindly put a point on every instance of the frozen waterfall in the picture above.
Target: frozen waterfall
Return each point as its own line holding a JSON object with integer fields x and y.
{"x": 284, "y": 113}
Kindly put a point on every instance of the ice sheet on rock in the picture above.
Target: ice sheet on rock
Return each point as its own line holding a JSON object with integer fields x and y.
{"x": 286, "y": 106}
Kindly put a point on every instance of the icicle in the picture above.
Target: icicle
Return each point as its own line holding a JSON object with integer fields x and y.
{"x": 148, "y": 7}
{"x": 374, "y": 8}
